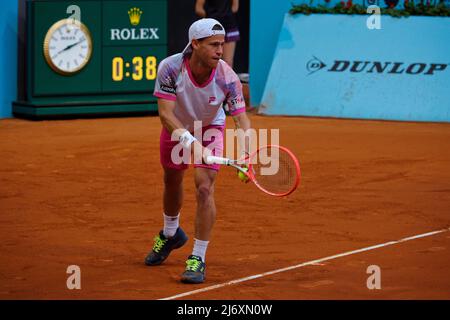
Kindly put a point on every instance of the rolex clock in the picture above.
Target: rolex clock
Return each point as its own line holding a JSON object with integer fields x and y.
{"x": 67, "y": 46}
{"x": 102, "y": 60}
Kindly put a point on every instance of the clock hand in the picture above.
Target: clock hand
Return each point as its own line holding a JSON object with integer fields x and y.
{"x": 70, "y": 46}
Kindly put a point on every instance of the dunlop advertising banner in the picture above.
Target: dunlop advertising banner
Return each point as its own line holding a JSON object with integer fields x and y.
{"x": 335, "y": 66}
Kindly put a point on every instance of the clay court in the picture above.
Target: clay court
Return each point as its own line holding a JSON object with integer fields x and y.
{"x": 88, "y": 192}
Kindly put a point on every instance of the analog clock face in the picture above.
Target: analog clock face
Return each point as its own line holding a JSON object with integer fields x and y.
{"x": 67, "y": 46}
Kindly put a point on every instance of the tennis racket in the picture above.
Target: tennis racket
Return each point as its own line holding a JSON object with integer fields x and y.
{"x": 273, "y": 169}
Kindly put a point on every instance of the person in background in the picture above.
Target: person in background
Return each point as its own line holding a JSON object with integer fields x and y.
{"x": 225, "y": 12}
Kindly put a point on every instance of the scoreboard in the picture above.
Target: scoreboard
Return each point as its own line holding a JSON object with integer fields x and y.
{"x": 92, "y": 57}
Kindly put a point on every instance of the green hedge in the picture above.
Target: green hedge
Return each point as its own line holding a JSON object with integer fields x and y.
{"x": 349, "y": 8}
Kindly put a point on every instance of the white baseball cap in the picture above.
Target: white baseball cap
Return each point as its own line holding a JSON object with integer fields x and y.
{"x": 203, "y": 28}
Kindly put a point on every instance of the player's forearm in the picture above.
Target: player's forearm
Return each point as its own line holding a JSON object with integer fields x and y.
{"x": 243, "y": 122}
{"x": 169, "y": 120}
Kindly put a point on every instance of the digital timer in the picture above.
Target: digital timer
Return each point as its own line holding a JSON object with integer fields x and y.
{"x": 131, "y": 69}
{"x": 139, "y": 68}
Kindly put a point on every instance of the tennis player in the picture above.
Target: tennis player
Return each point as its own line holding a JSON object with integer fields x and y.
{"x": 192, "y": 86}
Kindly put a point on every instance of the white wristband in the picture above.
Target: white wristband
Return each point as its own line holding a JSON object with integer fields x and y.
{"x": 186, "y": 139}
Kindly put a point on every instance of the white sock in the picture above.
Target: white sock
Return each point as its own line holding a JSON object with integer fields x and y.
{"x": 171, "y": 224}
{"x": 200, "y": 247}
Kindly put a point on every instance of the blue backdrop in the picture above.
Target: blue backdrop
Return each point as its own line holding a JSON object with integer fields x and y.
{"x": 8, "y": 55}
{"x": 266, "y": 19}
{"x": 333, "y": 65}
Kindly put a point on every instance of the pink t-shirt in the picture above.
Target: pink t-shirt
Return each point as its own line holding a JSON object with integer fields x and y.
{"x": 196, "y": 102}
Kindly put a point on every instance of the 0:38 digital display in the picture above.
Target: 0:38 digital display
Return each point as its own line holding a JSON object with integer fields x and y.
{"x": 131, "y": 68}
{"x": 138, "y": 68}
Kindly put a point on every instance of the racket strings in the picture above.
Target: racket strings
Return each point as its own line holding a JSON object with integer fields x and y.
{"x": 279, "y": 175}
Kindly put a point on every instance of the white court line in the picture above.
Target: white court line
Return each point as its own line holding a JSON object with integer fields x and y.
{"x": 221, "y": 285}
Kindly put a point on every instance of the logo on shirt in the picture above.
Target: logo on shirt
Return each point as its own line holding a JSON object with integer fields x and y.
{"x": 168, "y": 89}
{"x": 237, "y": 101}
{"x": 211, "y": 99}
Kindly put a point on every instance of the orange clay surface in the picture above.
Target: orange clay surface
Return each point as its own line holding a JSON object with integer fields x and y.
{"x": 88, "y": 192}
